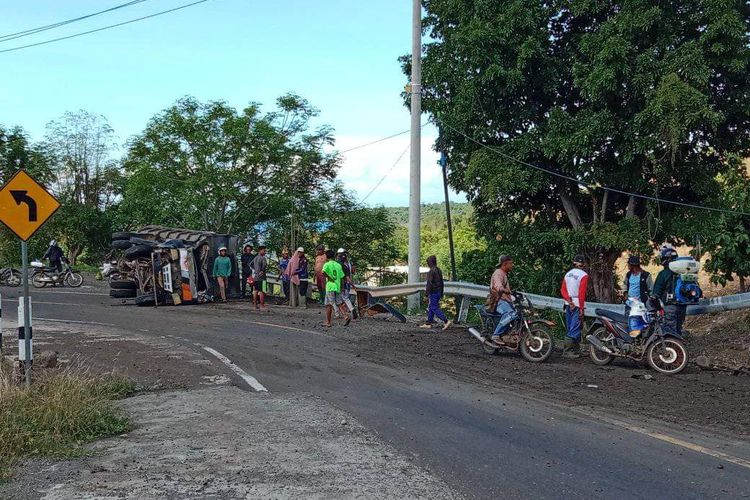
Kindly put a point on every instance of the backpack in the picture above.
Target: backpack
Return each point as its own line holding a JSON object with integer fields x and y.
{"x": 686, "y": 289}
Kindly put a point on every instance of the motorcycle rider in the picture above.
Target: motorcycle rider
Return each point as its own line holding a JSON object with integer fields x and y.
{"x": 664, "y": 289}
{"x": 573, "y": 290}
{"x": 55, "y": 255}
{"x": 501, "y": 300}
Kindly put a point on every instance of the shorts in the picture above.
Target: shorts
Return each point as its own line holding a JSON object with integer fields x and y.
{"x": 334, "y": 299}
{"x": 260, "y": 286}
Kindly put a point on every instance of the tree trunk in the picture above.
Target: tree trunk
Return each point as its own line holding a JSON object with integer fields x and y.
{"x": 603, "y": 278}
{"x": 743, "y": 284}
{"x": 73, "y": 253}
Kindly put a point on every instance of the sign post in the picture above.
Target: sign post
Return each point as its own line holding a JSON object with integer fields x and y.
{"x": 25, "y": 205}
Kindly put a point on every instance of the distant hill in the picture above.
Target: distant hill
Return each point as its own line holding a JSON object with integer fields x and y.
{"x": 431, "y": 212}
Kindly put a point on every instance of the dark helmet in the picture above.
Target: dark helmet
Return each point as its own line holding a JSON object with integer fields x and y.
{"x": 634, "y": 260}
{"x": 667, "y": 255}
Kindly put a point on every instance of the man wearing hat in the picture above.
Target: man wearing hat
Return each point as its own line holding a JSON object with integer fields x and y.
{"x": 500, "y": 293}
{"x": 573, "y": 290}
{"x": 638, "y": 282}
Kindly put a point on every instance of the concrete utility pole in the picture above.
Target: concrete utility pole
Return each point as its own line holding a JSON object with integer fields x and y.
{"x": 416, "y": 140}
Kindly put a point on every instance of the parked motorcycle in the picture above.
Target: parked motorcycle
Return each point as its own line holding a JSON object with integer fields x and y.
{"x": 44, "y": 275}
{"x": 610, "y": 337}
{"x": 110, "y": 271}
{"x": 530, "y": 336}
{"x": 10, "y": 277}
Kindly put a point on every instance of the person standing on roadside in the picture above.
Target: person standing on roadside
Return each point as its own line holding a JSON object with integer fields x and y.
{"x": 334, "y": 275}
{"x": 260, "y": 271}
{"x": 573, "y": 290}
{"x": 347, "y": 283}
{"x": 246, "y": 261}
{"x": 664, "y": 289}
{"x": 222, "y": 271}
{"x": 434, "y": 291}
{"x": 302, "y": 275}
{"x": 283, "y": 264}
{"x": 501, "y": 298}
{"x": 320, "y": 281}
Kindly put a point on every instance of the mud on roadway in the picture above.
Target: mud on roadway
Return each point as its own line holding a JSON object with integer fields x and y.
{"x": 715, "y": 401}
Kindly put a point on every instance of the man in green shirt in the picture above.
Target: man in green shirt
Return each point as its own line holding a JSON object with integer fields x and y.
{"x": 334, "y": 274}
{"x": 222, "y": 271}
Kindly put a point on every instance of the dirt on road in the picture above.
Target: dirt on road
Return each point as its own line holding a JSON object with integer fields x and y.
{"x": 710, "y": 400}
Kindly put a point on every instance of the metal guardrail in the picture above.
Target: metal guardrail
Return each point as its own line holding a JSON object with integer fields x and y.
{"x": 474, "y": 291}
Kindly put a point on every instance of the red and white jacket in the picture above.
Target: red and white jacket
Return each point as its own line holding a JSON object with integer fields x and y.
{"x": 574, "y": 287}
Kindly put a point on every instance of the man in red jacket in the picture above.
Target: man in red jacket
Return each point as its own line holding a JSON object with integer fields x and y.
{"x": 573, "y": 290}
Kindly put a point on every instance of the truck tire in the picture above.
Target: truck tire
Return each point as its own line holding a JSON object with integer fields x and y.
{"x": 122, "y": 285}
{"x": 137, "y": 251}
{"x": 121, "y": 244}
{"x": 122, "y": 294}
{"x": 122, "y": 235}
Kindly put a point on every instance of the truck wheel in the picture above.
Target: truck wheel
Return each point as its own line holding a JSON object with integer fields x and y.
{"x": 122, "y": 285}
{"x": 122, "y": 294}
{"x": 138, "y": 251}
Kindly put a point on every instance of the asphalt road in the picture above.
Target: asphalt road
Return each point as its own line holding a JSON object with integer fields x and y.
{"x": 481, "y": 441}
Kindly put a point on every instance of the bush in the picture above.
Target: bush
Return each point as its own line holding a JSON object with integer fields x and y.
{"x": 59, "y": 413}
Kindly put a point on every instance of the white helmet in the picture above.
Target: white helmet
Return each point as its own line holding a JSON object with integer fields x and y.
{"x": 53, "y": 243}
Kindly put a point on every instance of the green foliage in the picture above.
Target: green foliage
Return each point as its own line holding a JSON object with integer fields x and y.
{"x": 208, "y": 166}
{"x": 646, "y": 97}
{"x": 729, "y": 245}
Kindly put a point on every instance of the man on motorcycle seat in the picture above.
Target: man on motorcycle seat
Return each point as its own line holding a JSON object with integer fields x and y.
{"x": 55, "y": 255}
{"x": 664, "y": 289}
{"x": 501, "y": 298}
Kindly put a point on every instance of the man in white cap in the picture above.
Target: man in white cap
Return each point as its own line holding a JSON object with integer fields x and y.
{"x": 222, "y": 271}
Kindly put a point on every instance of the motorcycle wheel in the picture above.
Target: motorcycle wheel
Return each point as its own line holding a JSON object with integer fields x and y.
{"x": 13, "y": 278}
{"x": 38, "y": 280}
{"x": 74, "y": 280}
{"x": 668, "y": 356}
{"x": 598, "y": 357}
{"x": 537, "y": 345}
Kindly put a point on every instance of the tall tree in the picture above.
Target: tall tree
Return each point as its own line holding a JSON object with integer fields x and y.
{"x": 209, "y": 166}
{"x": 646, "y": 96}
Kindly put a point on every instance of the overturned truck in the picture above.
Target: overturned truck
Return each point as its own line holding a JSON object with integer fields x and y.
{"x": 166, "y": 266}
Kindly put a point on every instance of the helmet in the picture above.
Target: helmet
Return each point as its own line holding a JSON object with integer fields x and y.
{"x": 667, "y": 254}
{"x": 53, "y": 243}
{"x": 341, "y": 250}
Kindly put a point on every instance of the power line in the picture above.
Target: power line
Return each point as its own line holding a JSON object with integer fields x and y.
{"x": 39, "y": 29}
{"x": 590, "y": 185}
{"x": 382, "y": 179}
{"x": 383, "y": 139}
{"x": 104, "y": 28}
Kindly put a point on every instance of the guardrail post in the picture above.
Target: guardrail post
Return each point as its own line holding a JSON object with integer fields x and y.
{"x": 463, "y": 310}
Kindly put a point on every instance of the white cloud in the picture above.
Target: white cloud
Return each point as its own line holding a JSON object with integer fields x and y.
{"x": 364, "y": 168}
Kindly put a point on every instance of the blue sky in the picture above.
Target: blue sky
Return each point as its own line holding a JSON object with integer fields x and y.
{"x": 339, "y": 54}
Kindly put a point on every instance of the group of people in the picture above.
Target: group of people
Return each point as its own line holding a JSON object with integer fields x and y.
{"x": 333, "y": 274}
{"x": 638, "y": 285}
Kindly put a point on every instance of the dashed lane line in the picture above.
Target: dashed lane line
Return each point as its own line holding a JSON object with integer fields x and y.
{"x": 251, "y": 381}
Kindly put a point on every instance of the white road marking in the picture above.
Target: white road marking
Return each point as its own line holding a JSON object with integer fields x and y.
{"x": 251, "y": 381}
{"x": 54, "y": 320}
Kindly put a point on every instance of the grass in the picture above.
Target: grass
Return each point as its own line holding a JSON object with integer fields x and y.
{"x": 60, "y": 412}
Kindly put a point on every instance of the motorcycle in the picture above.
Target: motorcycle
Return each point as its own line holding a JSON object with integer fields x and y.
{"x": 110, "y": 271}
{"x": 44, "y": 275}
{"x": 10, "y": 277}
{"x": 610, "y": 337}
{"x": 532, "y": 337}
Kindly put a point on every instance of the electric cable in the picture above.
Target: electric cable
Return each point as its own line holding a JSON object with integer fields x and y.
{"x": 588, "y": 184}
{"x": 382, "y": 179}
{"x": 103, "y": 28}
{"x": 39, "y": 29}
